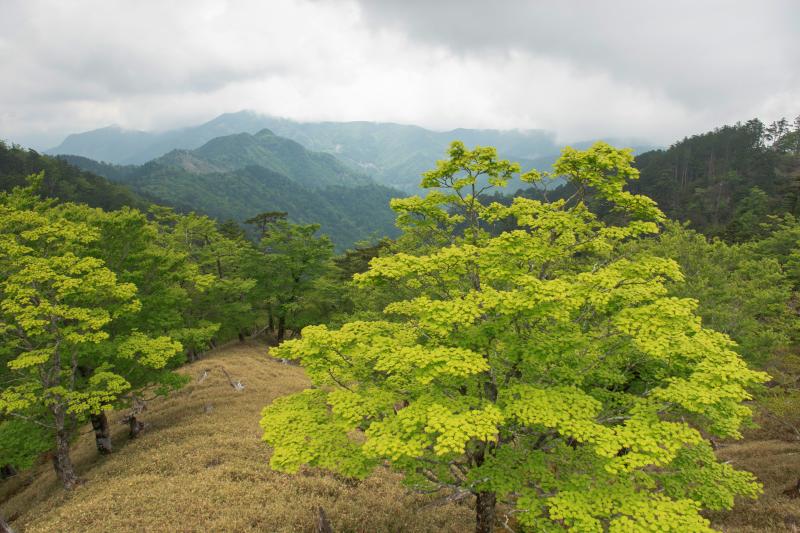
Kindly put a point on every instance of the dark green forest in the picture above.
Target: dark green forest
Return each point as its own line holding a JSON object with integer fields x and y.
{"x": 63, "y": 180}
{"x": 727, "y": 181}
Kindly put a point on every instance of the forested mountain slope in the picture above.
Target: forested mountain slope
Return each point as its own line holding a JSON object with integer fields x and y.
{"x": 396, "y": 154}
{"x": 63, "y": 180}
{"x": 724, "y": 181}
{"x": 117, "y": 145}
{"x": 267, "y": 150}
{"x": 238, "y": 176}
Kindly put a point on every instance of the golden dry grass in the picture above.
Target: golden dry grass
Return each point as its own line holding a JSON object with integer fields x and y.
{"x": 200, "y": 466}
{"x": 776, "y": 463}
{"x": 194, "y": 470}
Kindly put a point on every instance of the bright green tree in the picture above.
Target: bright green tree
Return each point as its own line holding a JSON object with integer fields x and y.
{"x": 141, "y": 346}
{"x": 56, "y": 302}
{"x": 78, "y": 337}
{"x": 539, "y": 368}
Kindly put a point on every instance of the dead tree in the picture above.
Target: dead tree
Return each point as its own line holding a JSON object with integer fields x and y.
{"x": 793, "y": 492}
{"x": 237, "y": 385}
{"x": 323, "y": 525}
{"x": 136, "y": 426}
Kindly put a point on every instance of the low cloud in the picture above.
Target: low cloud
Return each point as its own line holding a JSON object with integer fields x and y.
{"x": 654, "y": 71}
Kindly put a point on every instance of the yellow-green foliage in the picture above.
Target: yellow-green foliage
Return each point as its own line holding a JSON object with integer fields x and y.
{"x": 59, "y": 304}
{"x": 54, "y": 301}
{"x": 539, "y": 364}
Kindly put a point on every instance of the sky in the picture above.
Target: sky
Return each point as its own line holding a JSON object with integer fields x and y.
{"x": 637, "y": 69}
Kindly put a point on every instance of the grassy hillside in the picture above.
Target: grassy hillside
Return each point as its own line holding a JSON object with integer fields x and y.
{"x": 201, "y": 466}
{"x": 776, "y": 463}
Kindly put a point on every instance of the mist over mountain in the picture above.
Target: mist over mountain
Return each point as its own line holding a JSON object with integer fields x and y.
{"x": 392, "y": 154}
{"x": 122, "y": 146}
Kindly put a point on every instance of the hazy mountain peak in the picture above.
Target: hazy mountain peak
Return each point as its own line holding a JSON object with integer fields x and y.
{"x": 392, "y": 154}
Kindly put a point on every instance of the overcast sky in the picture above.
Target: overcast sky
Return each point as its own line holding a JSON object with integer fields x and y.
{"x": 637, "y": 69}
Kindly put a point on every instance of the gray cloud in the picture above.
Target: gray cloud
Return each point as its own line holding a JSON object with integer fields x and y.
{"x": 714, "y": 52}
{"x": 654, "y": 70}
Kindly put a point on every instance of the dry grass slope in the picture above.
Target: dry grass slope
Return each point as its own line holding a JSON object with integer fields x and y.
{"x": 201, "y": 466}
{"x": 776, "y": 463}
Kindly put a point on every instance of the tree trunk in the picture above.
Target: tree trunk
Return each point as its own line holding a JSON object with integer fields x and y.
{"x": 135, "y": 425}
{"x": 61, "y": 461}
{"x": 793, "y": 492}
{"x": 7, "y": 471}
{"x": 102, "y": 432}
{"x": 323, "y": 524}
{"x": 484, "y": 512}
{"x": 4, "y": 527}
{"x": 281, "y": 328}
{"x": 241, "y": 337}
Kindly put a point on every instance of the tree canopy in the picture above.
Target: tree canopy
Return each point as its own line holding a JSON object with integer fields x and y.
{"x": 541, "y": 367}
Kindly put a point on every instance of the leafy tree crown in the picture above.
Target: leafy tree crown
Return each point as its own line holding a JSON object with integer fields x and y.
{"x": 541, "y": 364}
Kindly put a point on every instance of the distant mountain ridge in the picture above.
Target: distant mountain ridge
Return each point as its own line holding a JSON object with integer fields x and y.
{"x": 121, "y": 146}
{"x": 240, "y": 175}
{"x": 392, "y": 154}
{"x": 265, "y": 149}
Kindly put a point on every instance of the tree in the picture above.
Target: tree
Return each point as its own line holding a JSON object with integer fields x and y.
{"x": 263, "y": 221}
{"x": 78, "y": 338}
{"x": 140, "y": 346}
{"x": 221, "y": 303}
{"x": 55, "y": 303}
{"x": 21, "y": 443}
{"x": 708, "y": 179}
{"x": 539, "y": 367}
{"x": 742, "y": 292}
{"x": 294, "y": 264}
